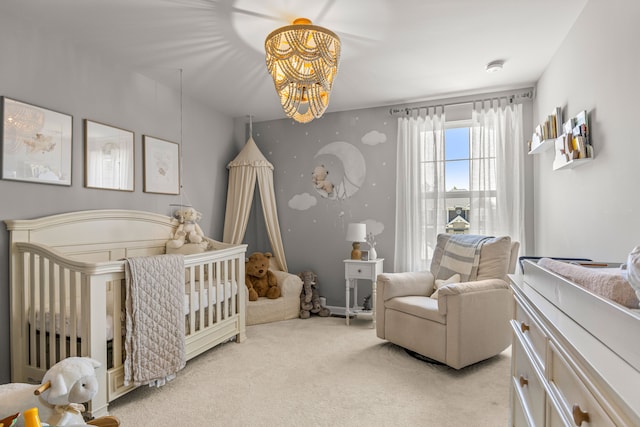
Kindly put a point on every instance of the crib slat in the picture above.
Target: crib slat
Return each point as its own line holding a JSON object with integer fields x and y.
{"x": 73, "y": 323}
{"x": 62, "y": 283}
{"x": 51, "y": 276}
{"x": 212, "y": 292}
{"x": 218, "y": 284}
{"x": 233, "y": 280}
{"x": 42, "y": 310}
{"x": 117, "y": 324}
{"x": 203, "y": 302}
{"x": 192, "y": 299}
{"x": 30, "y": 294}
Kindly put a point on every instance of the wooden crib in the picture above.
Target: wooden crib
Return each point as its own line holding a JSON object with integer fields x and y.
{"x": 79, "y": 256}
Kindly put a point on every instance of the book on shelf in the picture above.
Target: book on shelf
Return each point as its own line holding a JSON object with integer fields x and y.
{"x": 581, "y": 126}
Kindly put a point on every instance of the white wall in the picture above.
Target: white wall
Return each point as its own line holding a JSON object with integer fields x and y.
{"x": 592, "y": 211}
{"x": 40, "y": 69}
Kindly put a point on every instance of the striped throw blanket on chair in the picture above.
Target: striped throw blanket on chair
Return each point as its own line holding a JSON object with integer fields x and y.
{"x": 461, "y": 256}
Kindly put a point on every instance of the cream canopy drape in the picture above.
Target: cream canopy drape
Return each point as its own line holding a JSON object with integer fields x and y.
{"x": 250, "y": 166}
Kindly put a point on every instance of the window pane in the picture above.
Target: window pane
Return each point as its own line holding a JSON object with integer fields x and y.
{"x": 456, "y": 143}
{"x": 457, "y": 175}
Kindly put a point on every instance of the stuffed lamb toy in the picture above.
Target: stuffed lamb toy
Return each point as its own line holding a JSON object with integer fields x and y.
{"x": 65, "y": 386}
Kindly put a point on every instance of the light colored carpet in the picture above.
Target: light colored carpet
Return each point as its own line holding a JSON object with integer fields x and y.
{"x": 320, "y": 372}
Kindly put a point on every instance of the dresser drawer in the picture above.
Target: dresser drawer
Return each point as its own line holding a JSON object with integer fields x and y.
{"x": 527, "y": 384}
{"x": 360, "y": 271}
{"x": 533, "y": 334}
{"x": 574, "y": 398}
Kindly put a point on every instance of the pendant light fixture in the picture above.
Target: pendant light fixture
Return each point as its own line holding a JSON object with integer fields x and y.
{"x": 302, "y": 59}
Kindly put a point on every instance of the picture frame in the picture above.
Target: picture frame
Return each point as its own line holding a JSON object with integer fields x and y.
{"x": 36, "y": 143}
{"x": 161, "y": 165}
{"x": 109, "y": 157}
{"x": 364, "y": 255}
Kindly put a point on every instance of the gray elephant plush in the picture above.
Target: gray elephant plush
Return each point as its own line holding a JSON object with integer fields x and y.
{"x": 310, "y": 297}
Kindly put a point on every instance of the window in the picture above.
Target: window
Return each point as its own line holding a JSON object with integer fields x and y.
{"x": 457, "y": 166}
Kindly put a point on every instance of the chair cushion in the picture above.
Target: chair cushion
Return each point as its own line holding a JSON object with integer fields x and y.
{"x": 440, "y": 283}
{"x": 494, "y": 258}
{"x": 419, "y": 306}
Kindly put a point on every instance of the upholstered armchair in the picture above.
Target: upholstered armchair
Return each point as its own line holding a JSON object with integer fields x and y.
{"x": 465, "y": 322}
{"x": 273, "y": 310}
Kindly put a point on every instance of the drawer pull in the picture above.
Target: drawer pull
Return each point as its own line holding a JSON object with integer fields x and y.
{"x": 578, "y": 416}
{"x": 523, "y": 381}
{"x": 359, "y": 271}
{"x": 524, "y": 327}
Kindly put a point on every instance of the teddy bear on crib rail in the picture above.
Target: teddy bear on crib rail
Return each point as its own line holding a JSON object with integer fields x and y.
{"x": 188, "y": 237}
{"x": 65, "y": 387}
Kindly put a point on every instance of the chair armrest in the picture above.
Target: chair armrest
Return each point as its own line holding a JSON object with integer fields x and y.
{"x": 477, "y": 286}
{"x": 290, "y": 284}
{"x": 391, "y": 285}
{"x": 459, "y": 290}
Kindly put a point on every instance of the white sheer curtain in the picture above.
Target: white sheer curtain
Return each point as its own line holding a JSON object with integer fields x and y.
{"x": 420, "y": 188}
{"x": 496, "y": 170}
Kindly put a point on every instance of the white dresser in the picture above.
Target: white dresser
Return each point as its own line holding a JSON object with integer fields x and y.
{"x": 575, "y": 356}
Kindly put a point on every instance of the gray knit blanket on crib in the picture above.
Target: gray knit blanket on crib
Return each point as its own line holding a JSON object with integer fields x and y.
{"x": 155, "y": 334}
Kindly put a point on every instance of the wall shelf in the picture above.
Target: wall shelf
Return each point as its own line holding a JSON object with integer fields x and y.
{"x": 570, "y": 164}
{"x": 570, "y": 140}
{"x": 542, "y": 146}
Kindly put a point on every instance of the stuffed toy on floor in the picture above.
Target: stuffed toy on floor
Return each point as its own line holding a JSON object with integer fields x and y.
{"x": 60, "y": 397}
{"x": 310, "y": 297}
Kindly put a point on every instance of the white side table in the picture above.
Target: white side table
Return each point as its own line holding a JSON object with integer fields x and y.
{"x": 354, "y": 270}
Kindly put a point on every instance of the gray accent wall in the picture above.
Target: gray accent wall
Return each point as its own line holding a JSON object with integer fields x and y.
{"x": 40, "y": 69}
{"x": 358, "y": 148}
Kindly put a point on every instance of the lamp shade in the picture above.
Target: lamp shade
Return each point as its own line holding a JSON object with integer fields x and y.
{"x": 356, "y": 232}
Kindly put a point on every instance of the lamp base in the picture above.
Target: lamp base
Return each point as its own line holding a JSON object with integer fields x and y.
{"x": 356, "y": 253}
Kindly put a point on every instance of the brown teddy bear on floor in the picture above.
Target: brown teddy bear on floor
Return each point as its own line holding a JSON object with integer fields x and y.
{"x": 261, "y": 281}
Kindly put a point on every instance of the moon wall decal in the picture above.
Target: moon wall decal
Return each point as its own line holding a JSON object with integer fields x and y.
{"x": 354, "y": 169}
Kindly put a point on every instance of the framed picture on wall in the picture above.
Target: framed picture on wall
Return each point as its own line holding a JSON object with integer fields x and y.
{"x": 36, "y": 143}
{"x": 108, "y": 157}
{"x": 161, "y": 165}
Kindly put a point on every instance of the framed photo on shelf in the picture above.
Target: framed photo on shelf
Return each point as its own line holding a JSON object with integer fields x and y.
{"x": 36, "y": 143}
{"x": 364, "y": 255}
{"x": 161, "y": 165}
{"x": 109, "y": 156}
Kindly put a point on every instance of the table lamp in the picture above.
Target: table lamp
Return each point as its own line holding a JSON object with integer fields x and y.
{"x": 356, "y": 233}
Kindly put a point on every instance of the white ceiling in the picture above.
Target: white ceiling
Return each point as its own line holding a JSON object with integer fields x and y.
{"x": 392, "y": 51}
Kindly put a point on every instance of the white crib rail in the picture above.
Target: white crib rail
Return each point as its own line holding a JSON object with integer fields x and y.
{"x": 68, "y": 298}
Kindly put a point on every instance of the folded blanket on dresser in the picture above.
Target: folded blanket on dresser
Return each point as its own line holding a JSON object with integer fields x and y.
{"x": 461, "y": 256}
{"x": 155, "y": 341}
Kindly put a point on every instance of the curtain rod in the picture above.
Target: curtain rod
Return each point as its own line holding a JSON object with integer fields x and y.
{"x": 529, "y": 94}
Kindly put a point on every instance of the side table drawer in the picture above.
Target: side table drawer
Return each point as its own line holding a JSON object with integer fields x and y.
{"x": 574, "y": 397}
{"x": 360, "y": 271}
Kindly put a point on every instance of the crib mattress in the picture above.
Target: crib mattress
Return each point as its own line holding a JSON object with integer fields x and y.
{"x": 197, "y": 298}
